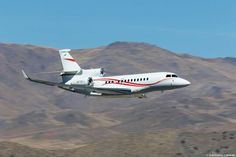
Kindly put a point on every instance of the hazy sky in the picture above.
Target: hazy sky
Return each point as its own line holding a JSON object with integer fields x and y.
{"x": 199, "y": 27}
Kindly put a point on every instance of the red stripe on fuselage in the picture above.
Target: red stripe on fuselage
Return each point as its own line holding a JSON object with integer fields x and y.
{"x": 70, "y": 59}
{"x": 129, "y": 83}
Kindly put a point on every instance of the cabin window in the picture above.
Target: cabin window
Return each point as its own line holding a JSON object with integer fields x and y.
{"x": 174, "y": 76}
{"x": 141, "y": 79}
{"x": 131, "y": 80}
{"x": 118, "y": 81}
{"x": 147, "y": 78}
{"x": 134, "y": 80}
{"x": 105, "y": 82}
{"x": 128, "y": 80}
{"x": 168, "y": 75}
{"x": 137, "y": 79}
{"x": 121, "y": 80}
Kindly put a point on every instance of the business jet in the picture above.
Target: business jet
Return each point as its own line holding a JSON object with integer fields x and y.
{"x": 92, "y": 82}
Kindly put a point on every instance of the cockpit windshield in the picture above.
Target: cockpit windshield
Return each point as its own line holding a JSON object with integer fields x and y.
{"x": 173, "y": 75}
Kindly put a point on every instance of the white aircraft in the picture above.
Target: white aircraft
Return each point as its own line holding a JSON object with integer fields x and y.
{"x": 92, "y": 82}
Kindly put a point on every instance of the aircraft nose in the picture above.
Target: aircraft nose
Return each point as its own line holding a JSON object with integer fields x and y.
{"x": 180, "y": 82}
{"x": 185, "y": 82}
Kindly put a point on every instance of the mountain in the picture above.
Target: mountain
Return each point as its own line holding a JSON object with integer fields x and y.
{"x": 47, "y": 117}
{"x": 165, "y": 143}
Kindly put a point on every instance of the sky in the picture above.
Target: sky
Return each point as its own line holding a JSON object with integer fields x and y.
{"x": 205, "y": 28}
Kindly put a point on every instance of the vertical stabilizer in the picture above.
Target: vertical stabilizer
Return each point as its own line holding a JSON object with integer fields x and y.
{"x": 68, "y": 62}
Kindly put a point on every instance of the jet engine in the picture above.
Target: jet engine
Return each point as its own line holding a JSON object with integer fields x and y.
{"x": 83, "y": 81}
{"x": 99, "y": 72}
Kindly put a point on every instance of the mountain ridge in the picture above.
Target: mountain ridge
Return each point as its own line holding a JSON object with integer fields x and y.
{"x": 48, "y": 117}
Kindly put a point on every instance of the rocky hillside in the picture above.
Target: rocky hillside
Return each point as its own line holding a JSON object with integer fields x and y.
{"x": 164, "y": 143}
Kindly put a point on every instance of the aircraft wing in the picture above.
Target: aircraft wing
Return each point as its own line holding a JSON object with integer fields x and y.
{"x": 66, "y": 87}
{"x": 114, "y": 90}
{"x": 40, "y": 81}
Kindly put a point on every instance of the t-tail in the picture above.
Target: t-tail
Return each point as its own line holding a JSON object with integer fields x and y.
{"x": 69, "y": 65}
{"x": 68, "y": 62}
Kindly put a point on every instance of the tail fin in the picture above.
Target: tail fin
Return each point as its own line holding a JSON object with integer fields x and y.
{"x": 68, "y": 62}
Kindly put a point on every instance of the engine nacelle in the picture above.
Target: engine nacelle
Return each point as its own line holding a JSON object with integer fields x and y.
{"x": 85, "y": 77}
{"x": 99, "y": 72}
{"x": 84, "y": 81}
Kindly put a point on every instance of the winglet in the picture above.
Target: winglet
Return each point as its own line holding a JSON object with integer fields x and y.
{"x": 24, "y": 74}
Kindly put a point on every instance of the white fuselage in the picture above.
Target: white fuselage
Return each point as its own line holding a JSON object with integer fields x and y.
{"x": 128, "y": 84}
